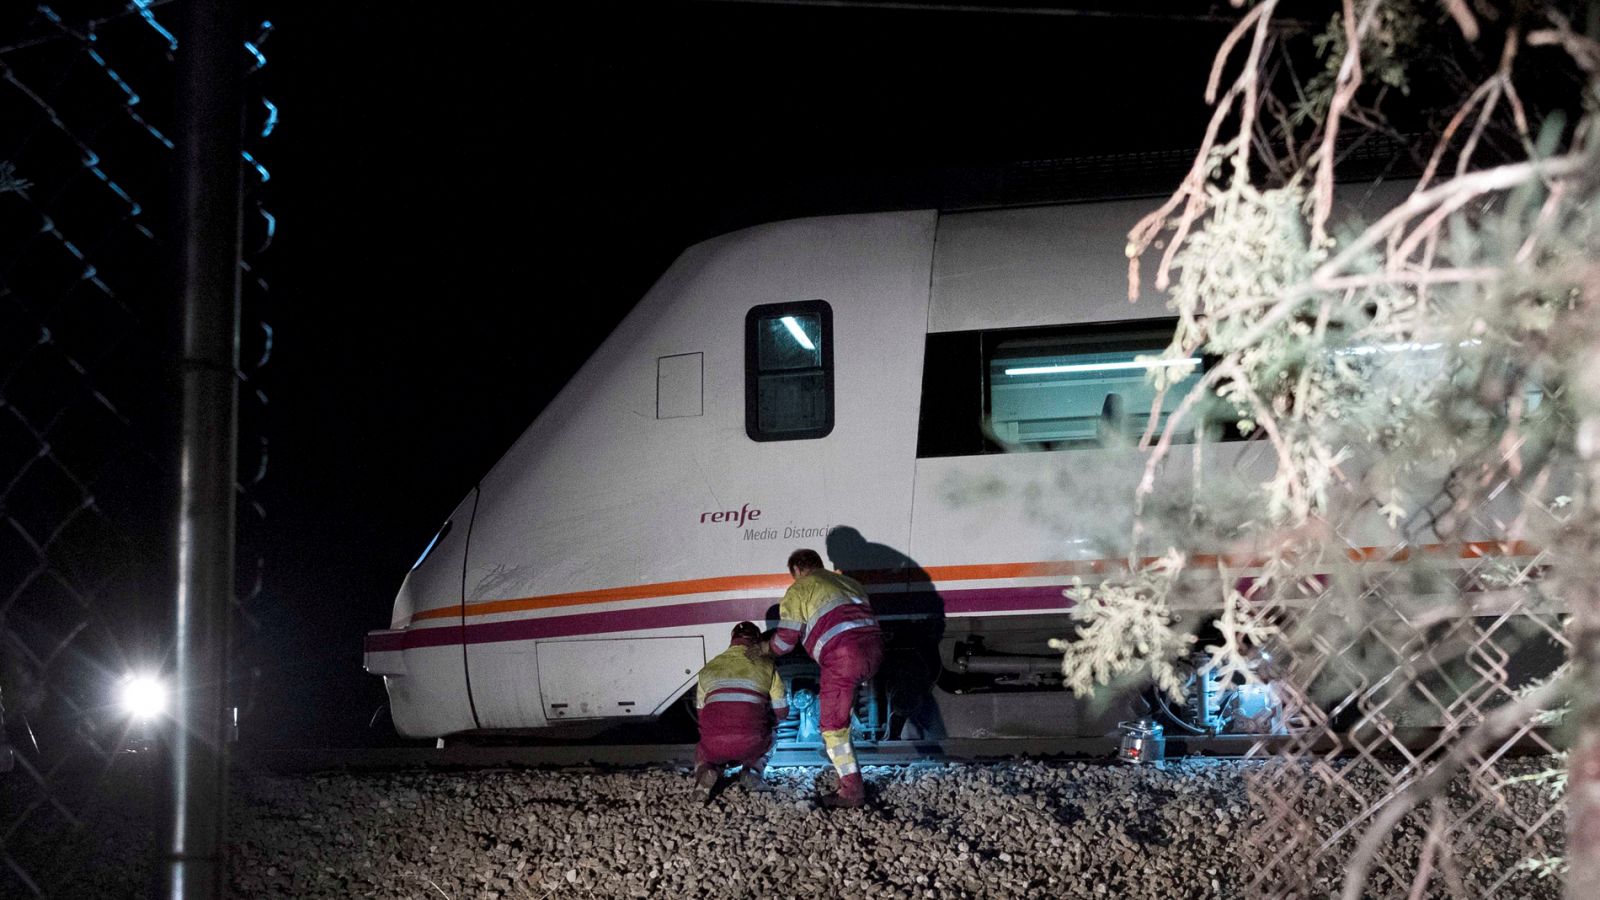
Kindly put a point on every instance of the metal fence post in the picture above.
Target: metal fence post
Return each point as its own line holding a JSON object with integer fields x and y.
{"x": 210, "y": 77}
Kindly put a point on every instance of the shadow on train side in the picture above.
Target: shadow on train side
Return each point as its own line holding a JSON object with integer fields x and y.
{"x": 911, "y": 615}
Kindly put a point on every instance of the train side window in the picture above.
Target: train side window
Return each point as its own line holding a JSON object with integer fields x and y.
{"x": 1052, "y": 388}
{"x": 951, "y": 420}
{"x": 789, "y": 371}
{"x": 1059, "y": 388}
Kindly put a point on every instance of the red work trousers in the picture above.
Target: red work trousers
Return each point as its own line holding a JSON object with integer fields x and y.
{"x": 853, "y": 657}
{"x": 734, "y": 734}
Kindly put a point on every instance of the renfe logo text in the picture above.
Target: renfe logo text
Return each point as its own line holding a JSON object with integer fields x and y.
{"x": 734, "y": 517}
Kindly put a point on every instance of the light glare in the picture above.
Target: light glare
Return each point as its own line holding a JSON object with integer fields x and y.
{"x": 143, "y": 696}
{"x": 1103, "y": 367}
{"x": 798, "y": 332}
{"x": 1404, "y": 347}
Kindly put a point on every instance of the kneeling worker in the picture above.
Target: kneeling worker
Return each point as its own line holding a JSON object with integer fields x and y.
{"x": 828, "y": 614}
{"x": 738, "y": 698}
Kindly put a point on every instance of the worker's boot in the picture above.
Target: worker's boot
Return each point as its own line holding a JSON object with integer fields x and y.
{"x": 852, "y": 793}
{"x": 843, "y": 754}
{"x": 750, "y": 779}
{"x": 705, "y": 778}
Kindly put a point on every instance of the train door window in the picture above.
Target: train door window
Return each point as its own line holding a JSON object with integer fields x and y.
{"x": 1059, "y": 388}
{"x": 789, "y": 371}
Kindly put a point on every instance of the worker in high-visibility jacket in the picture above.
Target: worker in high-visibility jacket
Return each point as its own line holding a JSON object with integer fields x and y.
{"x": 739, "y": 698}
{"x": 828, "y": 615}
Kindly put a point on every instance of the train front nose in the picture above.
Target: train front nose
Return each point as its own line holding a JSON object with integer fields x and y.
{"x": 420, "y": 654}
{"x": 383, "y": 651}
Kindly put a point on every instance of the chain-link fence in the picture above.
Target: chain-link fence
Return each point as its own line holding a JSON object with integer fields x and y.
{"x": 1422, "y": 737}
{"x": 89, "y": 400}
{"x": 1420, "y": 528}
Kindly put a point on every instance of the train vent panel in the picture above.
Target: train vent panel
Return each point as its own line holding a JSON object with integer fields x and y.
{"x": 604, "y": 679}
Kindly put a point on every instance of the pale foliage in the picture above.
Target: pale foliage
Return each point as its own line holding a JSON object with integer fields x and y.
{"x": 1384, "y": 54}
{"x": 1242, "y": 631}
{"x": 1546, "y": 866}
{"x": 1125, "y": 628}
{"x": 1423, "y": 355}
{"x": 1430, "y": 369}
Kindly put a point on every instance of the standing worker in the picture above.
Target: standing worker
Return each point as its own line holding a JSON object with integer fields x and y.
{"x": 738, "y": 697}
{"x": 828, "y": 614}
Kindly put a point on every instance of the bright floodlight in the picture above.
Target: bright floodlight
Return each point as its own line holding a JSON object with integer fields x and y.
{"x": 143, "y": 696}
{"x": 799, "y": 333}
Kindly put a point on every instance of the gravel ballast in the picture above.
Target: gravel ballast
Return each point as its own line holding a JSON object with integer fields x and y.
{"x": 1016, "y": 829}
{"x": 1005, "y": 830}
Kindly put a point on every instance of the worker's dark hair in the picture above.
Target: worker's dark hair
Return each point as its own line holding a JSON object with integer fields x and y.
{"x": 746, "y": 630}
{"x": 804, "y": 559}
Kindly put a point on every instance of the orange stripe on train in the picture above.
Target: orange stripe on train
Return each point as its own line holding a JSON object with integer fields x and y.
{"x": 610, "y": 595}
{"x": 982, "y": 571}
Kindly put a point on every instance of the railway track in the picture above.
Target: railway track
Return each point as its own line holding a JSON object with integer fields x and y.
{"x": 1417, "y": 741}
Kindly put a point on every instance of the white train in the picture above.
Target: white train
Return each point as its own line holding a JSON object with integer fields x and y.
{"x": 850, "y": 383}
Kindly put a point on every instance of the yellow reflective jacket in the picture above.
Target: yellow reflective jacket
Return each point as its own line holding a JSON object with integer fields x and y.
{"x": 733, "y": 677}
{"x": 818, "y": 607}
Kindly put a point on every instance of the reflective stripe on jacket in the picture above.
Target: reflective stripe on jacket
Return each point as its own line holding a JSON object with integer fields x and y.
{"x": 819, "y": 607}
{"x": 732, "y": 677}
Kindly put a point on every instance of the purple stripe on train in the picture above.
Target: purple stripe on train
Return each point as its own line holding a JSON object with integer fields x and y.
{"x": 1040, "y": 598}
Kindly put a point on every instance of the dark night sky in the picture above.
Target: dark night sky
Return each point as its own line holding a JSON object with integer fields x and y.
{"x": 469, "y": 202}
